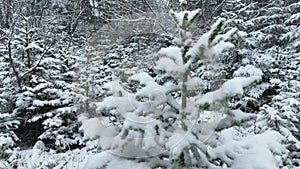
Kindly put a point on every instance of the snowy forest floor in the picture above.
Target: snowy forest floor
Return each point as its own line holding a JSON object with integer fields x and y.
{"x": 39, "y": 159}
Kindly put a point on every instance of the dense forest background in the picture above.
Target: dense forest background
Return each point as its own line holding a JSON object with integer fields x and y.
{"x": 56, "y": 55}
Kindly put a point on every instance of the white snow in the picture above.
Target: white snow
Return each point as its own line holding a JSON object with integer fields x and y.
{"x": 182, "y": 2}
{"x": 109, "y": 161}
{"x": 262, "y": 149}
{"x": 95, "y": 128}
{"x": 180, "y": 16}
{"x": 168, "y": 65}
{"x": 248, "y": 70}
{"x": 41, "y": 159}
{"x": 293, "y": 18}
{"x": 33, "y": 45}
{"x": 275, "y": 81}
{"x": 220, "y": 47}
{"x": 230, "y": 88}
{"x": 143, "y": 78}
{"x": 252, "y": 151}
{"x": 172, "y": 52}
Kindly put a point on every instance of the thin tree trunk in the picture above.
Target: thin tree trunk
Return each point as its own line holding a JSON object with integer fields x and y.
{"x": 184, "y": 95}
{"x": 12, "y": 64}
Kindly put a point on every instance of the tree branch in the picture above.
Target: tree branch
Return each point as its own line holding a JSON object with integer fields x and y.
{"x": 35, "y": 66}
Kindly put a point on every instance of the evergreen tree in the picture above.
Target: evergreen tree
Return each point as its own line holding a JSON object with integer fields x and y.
{"x": 171, "y": 112}
{"x": 36, "y": 89}
{"x": 267, "y": 27}
{"x": 8, "y": 120}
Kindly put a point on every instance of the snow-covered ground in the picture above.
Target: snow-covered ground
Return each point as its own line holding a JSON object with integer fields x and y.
{"x": 46, "y": 159}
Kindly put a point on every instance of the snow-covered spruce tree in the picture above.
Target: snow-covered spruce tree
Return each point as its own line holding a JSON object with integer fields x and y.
{"x": 8, "y": 120}
{"x": 87, "y": 81}
{"x": 270, "y": 29}
{"x": 35, "y": 86}
{"x": 169, "y": 118}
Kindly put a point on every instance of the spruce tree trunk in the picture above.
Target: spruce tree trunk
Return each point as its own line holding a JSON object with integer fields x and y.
{"x": 184, "y": 95}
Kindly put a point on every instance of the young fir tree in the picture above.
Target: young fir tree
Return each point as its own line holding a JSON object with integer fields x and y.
{"x": 170, "y": 118}
{"x": 87, "y": 81}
